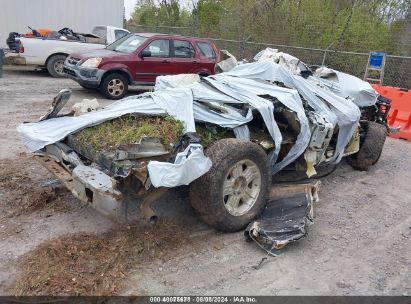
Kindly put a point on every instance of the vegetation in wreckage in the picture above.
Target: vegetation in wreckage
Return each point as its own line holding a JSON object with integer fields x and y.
{"x": 129, "y": 129}
{"x": 211, "y": 133}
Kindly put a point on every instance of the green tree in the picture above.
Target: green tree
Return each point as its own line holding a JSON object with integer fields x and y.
{"x": 206, "y": 16}
{"x": 160, "y": 13}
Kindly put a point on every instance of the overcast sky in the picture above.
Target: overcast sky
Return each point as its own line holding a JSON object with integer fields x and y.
{"x": 129, "y": 5}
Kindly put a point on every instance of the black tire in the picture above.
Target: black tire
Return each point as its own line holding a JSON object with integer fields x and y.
{"x": 55, "y": 66}
{"x": 114, "y": 80}
{"x": 206, "y": 193}
{"x": 371, "y": 146}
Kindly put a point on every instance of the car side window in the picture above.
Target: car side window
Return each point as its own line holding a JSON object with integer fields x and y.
{"x": 159, "y": 48}
{"x": 183, "y": 49}
{"x": 207, "y": 50}
{"x": 119, "y": 34}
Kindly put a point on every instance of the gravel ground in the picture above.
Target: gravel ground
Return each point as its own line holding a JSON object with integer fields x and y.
{"x": 359, "y": 243}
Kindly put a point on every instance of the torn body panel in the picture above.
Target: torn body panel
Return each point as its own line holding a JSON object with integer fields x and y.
{"x": 285, "y": 217}
{"x": 90, "y": 186}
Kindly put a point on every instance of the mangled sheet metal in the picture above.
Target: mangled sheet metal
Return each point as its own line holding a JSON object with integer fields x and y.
{"x": 227, "y": 100}
{"x": 346, "y": 86}
{"x": 227, "y": 62}
{"x": 58, "y": 103}
{"x": 285, "y": 217}
{"x": 341, "y": 84}
{"x": 176, "y": 81}
{"x": 291, "y": 63}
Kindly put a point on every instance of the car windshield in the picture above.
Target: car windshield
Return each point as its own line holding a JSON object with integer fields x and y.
{"x": 127, "y": 44}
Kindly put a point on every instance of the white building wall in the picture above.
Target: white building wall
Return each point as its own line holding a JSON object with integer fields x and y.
{"x": 79, "y": 15}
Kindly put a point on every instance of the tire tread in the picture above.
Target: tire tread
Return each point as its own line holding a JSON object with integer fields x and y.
{"x": 205, "y": 191}
{"x": 371, "y": 149}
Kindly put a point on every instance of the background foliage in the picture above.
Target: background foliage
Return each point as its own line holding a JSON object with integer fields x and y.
{"x": 355, "y": 25}
{"x": 338, "y": 25}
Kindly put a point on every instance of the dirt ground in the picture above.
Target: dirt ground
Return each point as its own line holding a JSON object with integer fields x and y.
{"x": 359, "y": 243}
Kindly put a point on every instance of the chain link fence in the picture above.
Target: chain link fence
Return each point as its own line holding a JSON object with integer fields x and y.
{"x": 397, "y": 68}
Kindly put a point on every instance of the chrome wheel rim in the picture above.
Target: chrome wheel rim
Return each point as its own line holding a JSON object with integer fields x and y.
{"x": 115, "y": 87}
{"x": 241, "y": 187}
{"x": 59, "y": 67}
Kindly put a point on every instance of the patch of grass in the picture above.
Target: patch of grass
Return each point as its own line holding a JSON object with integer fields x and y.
{"x": 129, "y": 129}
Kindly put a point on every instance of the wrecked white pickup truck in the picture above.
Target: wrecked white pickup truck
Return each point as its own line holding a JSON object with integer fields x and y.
{"x": 223, "y": 135}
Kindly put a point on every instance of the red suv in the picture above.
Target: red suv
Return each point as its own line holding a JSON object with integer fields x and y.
{"x": 137, "y": 59}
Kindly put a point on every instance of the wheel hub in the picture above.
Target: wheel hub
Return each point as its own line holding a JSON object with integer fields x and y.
{"x": 241, "y": 187}
{"x": 115, "y": 87}
{"x": 59, "y": 67}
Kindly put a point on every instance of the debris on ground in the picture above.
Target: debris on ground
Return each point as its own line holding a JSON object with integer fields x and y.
{"x": 87, "y": 105}
{"x": 96, "y": 264}
{"x": 24, "y": 189}
{"x": 285, "y": 217}
{"x": 57, "y": 105}
{"x": 258, "y": 266}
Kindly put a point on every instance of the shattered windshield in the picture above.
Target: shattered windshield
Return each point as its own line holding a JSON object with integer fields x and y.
{"x": 127, "y": 44}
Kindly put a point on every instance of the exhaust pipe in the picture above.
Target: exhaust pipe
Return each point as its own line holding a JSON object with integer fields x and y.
{"x": 145, "y": 207}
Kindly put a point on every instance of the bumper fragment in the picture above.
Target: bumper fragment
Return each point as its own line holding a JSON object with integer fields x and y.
{"x": 90, "y": 186}
{"x": 84, "y": 76}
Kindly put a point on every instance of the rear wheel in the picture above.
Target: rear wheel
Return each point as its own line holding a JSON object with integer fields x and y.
{"x": 371, "y": 146}
{"x": 234, "y": 191}
{"x": 55, "y": 66}
{"x": 114, "y": 86}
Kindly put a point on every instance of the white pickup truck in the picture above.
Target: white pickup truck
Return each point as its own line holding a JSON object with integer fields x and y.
{"x": 51, "y": 53}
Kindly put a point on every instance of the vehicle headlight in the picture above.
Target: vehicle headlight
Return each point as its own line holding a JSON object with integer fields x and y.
{"x": 91, "y": 63}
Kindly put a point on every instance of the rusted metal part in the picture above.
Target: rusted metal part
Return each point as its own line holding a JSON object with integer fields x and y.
{"x": 64, "y": 154}
{"x": 145, "y": 206}
{"x": 146, "y": 147}
{"x": 285, "y": 190}
{"x": 142, "y": 174}
{"x": 56, "y": 169}
{"x": 95, "y": 180}
{"x": 90, "y": 186}
{"x": 354, "y": 144}
{"x": 112, "y": 196}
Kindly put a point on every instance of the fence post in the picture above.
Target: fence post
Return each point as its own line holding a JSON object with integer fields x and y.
{"x": 325, "y": 52}
{"x": 242, "y": 46}
{"x": 325, "y": 55}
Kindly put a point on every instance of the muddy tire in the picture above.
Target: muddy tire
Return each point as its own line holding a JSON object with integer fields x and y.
{"x": 55, "y": 66}
{"x": 234, "y": 191}
{"x": 114, "y": 86}
{"x": 370, "y": 146}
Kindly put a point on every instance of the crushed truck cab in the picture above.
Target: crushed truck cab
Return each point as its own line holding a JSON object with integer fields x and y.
{"x": 223, "y": 135}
